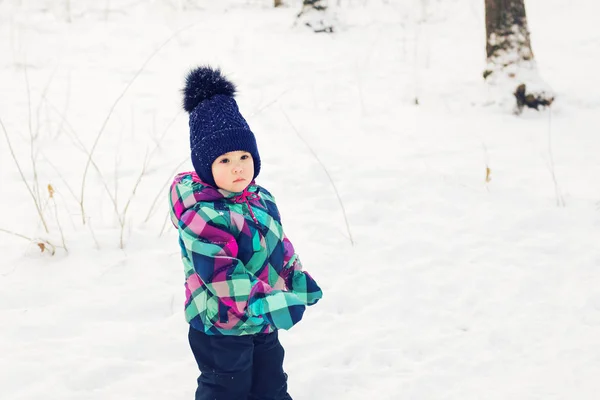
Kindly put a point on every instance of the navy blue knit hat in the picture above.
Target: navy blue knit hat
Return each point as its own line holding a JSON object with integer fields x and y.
{"x": 216, "y": 125}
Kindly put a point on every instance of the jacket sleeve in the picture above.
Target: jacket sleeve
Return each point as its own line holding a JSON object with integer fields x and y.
{"x": 213, "y": 250}
{"x": 299, "y": 281}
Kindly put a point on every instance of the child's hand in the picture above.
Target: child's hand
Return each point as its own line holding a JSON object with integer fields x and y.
{"x": 305, "y": 287}
{"x": 282, "y": 310}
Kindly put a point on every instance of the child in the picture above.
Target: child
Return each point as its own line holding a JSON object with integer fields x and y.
{"x": 243, "y": 279}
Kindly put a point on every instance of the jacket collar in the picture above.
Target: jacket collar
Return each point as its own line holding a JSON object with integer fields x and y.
{"x": 190, "y": 189}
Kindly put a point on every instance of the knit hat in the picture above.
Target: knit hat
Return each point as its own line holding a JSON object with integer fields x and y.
{"x": 216, "y": 125}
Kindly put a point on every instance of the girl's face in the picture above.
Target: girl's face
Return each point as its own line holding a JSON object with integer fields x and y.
{"x": 233, "y": 171}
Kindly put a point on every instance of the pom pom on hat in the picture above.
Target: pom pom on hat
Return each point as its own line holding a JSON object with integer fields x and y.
{"x": 202, "y": 83}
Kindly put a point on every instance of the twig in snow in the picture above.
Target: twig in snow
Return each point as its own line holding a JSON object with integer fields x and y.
{"x": 79, "y": 144}
{"x": 162, "y": 136}
{"x": 269, "y": 104}
{"x": 64, "y": 122}
{"x": 62, "y": 235}
{"x": 12, "y": 153}
{"x": 39, "y": 107}
{"x": 67, "y": 102}
{"x": 93, "y": 234}
{"x": 143, "y": 173}
{"x": 116, "y": 178}
{"x": 62, "y": 178}
{"x": 162, "y": 230}
{"x": 326, "y": 173}
{"x": 488, "y": 170}
{"x": 163, "y": 188}
{"x": 560, "y": 201}
{"x": 137, "y": 183}
{"x": 32, "y": 138}
{"x": 16, "y": 234}
{"x": 42, "y": 244}
{"x": 416, "y": 64}
{"x": 114, "y": 105}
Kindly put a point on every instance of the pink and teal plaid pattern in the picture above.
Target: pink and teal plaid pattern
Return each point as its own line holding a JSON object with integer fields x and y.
{"x": 242, "y": 273}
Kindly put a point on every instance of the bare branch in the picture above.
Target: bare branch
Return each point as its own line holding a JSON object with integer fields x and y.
{"x": 137, "y": 183}
{"x": 78, "y": 143}
{"x": 560, "y": 201}
{"x": 62, "y": 235}
{"x": 114, "y": 105}
{"x": 43, "y": 244}
{"x": 163, "y": 188}
{"x": 16, "y": 234}
{"x": 12, "y": 153}
{"x": 326, "y": 173}
{"x": 32, "y": 138}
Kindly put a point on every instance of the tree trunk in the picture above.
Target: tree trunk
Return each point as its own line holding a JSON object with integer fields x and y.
{"x": 314, "y": 14}
{"x": 278, "y": 3}
{"x": 509, "y": 55}
{"x": 506, "y": 29}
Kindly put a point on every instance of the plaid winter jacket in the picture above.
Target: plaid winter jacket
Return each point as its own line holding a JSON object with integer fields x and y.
{"x": 242, "y": 274}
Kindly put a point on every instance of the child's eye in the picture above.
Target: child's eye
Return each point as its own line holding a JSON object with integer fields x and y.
{"x": 224, "y": 160}
{"x": 245, "y": 157}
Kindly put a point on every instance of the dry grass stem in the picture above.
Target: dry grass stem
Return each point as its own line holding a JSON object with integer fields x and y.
{"x": 163, "y": 188}
{"x": 326, "y": 173}
{"x": 114, "y": 105}
{"x": 14, "y": 157}
{"x": 36, "y": 188}
{"x": 74, "y": 137}
{"x": 42, "y": 244}
{"x": 560, "y": 201}
{"x": 60, "y": 230}
{"x": 135, "y": 186}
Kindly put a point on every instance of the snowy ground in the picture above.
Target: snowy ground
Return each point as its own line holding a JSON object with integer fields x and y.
{"x": 455, "y": 288}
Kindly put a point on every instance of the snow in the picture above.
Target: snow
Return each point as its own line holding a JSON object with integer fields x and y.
{"x": 455, "y": 288}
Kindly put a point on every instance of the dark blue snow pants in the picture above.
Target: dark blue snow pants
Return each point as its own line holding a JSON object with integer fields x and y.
{"x": 239, "y": 367}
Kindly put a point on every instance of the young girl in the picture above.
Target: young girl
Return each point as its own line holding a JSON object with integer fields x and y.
{"x": 244, "y": 280}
